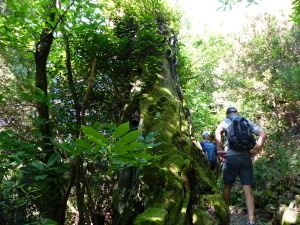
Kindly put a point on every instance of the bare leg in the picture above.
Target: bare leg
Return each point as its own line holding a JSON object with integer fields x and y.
{"x": 227, "y": 193}
{"x": 250, "y": 202}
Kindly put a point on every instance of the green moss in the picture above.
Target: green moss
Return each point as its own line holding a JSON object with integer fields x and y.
{"x": 210, "y": 209}
{"x": 164, "y": 176}
{"x": 170, "y": 193}
{"x": 169, "y": 180}
{"x": 156, "y": 107}
{"x": 204, "y": 178}
{"x": 151, "y": 216}
{"x": 201, "y": 217}
{"x": 176, "y": 163}
{"x": 217, "y": 205}
{"x": 182, "y": 215}
{"x": 168, "y": 199}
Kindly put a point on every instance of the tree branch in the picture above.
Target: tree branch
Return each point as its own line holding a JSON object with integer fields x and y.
{"x": 88, "y": 90}
{"x": 56, "y": 24}
{"x": 61, "y": 17}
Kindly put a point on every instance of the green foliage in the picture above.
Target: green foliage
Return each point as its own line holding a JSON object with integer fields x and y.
{"x": 21, "y": 24}
{"x": 228, "y": 4}
{"x": 121, "y": 130}
{"x": 24, "y": 177}
{"x": 260, "y": 78}
{"x": 198, "y": 70}
{"x": 122, "y": 148}
{"x": 43, "y": 222}
{"x": 127, "y": 40}
{"x": 296, "y": 11}
{"x": 23, "y": 173}
{"x": 276, "y": 186}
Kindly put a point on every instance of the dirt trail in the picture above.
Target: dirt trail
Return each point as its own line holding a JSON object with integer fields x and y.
{"x": 238, "y": 219}
{"x": 237, "y": 216}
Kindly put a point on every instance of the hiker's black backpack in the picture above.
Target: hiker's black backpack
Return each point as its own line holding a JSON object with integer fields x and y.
{"x": 239, "y": 135}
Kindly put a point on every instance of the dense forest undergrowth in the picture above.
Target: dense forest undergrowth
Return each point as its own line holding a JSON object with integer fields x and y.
{"x": 102, "y": 105}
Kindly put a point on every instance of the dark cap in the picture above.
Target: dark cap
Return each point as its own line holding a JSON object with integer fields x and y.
{"x": 231, "y": 110}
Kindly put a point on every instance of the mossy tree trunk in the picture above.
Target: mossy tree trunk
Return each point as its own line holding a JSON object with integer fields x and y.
{"x": 180, "y": 188}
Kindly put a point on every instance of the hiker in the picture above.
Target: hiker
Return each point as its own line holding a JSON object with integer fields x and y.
{"x": 209, "y": 149}
{"x": 240, "y": 146}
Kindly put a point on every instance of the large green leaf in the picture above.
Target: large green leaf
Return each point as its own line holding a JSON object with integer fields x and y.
{"x": 66, "y": 147}
{"x": 119, "y": 149}
{"x": 130, "y": 137}
{"x": 41, "y": 177}
{"x": 121, "y": 130}
{"x": 38, "y": 165}
{"x": 83, "y": 143}
{"x": 94, "y": 135}
{"x": 53, "y": 158}
{"x": 48, "y": 222}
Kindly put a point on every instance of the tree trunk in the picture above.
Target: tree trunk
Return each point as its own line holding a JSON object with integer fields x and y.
{"x": 180, "y": 189}
{"x": 70, "y": 78}
{"x": 41, "y": 56}
{"x": 51, "y": 200}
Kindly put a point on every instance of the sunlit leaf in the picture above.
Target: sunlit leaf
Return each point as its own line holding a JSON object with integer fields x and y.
{"x": 132, "y": 136}
{"x": 121, "y": 130}
{"x": 94, "y": 135}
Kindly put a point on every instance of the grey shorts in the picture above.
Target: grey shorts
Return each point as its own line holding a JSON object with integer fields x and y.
{"x": 238, "y": 165}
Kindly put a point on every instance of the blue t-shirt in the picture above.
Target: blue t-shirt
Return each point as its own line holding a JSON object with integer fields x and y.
{"x": 210, "y": 151}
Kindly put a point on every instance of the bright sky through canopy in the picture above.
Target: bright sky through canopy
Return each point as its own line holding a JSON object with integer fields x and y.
{"x": 203, "y": 14}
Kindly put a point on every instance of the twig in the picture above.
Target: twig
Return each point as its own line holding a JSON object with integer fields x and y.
{"x": 61, "y": 17}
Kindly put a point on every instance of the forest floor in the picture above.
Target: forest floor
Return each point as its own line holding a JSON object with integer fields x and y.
{"x": 237, "y": 219}
{"x": 237, "y": 216}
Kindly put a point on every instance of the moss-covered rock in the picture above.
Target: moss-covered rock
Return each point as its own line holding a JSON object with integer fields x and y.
{"x": 201, "y": 217}
{"x": 290, "y": 217}
{"x": 152, "y": 216}
{"x": 291, "y": 214}
{"x": 210, "y": 209}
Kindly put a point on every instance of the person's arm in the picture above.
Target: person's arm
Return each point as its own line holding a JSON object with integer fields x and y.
{"x": 259, "y": 143}
{"x": 218, "y": 138}
{"x": 202, "y": 146}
